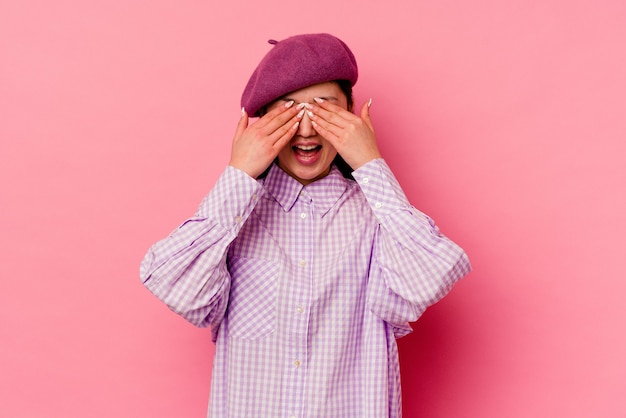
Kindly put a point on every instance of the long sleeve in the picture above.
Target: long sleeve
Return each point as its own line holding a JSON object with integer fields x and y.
{"x": 187, "y": 270}
{"x": 413, "y": 265}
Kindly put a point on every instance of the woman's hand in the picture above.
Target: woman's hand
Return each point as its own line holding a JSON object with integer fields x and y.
{"x": 352, "y": 136}
{"x": 256, "y": 146}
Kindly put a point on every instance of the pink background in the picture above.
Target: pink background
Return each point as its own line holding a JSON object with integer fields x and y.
{"x": 504, "y": 121}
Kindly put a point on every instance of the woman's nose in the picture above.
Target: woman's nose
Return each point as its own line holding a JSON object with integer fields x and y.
{"x": 305, "y": 129}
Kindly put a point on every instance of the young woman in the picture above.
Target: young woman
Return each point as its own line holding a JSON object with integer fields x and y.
{"x": 306, "y": 258}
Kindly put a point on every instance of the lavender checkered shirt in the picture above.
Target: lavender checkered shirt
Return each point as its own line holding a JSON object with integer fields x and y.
{"x": 305, "y": 289}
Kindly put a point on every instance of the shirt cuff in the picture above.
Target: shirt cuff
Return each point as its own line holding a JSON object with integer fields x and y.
{"x": 231, "y": 200}
{"x": 381, "y": 188}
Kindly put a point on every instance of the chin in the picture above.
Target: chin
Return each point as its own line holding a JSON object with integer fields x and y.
{"x": 310, "y": 176}
{"x": 306, "y": 175}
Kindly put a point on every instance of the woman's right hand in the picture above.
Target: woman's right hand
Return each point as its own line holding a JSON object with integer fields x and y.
{"x": 257, "y": 145}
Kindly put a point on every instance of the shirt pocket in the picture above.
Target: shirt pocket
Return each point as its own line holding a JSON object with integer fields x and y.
{"x": 252, "y": 303}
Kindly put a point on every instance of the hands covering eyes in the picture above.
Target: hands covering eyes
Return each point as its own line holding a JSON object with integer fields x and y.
{"x": 352, "y": 136}
{"x": 255, "y": 146}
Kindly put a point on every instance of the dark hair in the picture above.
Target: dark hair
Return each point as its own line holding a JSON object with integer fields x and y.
{"x": 346, "y": 88}
{"x": 344, "y": 168}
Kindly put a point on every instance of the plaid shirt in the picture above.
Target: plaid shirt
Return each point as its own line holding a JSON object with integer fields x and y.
{"x": 305, "y": 289}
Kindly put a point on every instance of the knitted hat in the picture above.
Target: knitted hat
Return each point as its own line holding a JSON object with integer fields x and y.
{"x": 297, "y": 62}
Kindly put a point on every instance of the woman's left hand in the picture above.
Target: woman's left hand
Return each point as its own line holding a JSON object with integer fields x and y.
{"x": 352, "y": 136}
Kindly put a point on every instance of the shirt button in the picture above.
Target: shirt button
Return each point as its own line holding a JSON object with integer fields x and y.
{"x": 303, "y": 215}
{"x": 237, "y": 218}
{"x": 302, "y": 263}
{"x": 378, "y": 205}
{"x": 297, "y": 363}
{"x": 299, "y": 309}
{"x": 366, "y": 180}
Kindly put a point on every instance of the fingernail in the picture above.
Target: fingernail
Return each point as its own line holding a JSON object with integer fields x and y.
{"x": 243, "y": 111}
{"x": 289, "y": 104}
{"x": 369, "y": 103}
{"x": 311, "y": 115}
{"x": 318, "y": 100}
{"x": 301, "y": 105}
{"x": 295, "y": 125}
{"x": 301, "y": 113}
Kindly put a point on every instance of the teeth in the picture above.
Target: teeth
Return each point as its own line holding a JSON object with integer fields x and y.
{"x": 306, "y": 147}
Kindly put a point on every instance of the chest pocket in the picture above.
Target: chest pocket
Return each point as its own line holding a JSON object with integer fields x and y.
{"x": 251, "y": 310}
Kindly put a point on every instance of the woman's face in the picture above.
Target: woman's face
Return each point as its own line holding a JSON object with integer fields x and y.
{"x": 308, "y": 156}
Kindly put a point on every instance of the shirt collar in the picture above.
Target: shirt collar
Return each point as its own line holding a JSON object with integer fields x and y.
{"x": 324, "y": 193}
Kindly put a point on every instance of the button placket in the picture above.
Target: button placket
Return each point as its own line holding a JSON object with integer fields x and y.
{"x": 295, "y": 361}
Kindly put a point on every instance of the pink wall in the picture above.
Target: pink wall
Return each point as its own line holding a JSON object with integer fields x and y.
{"x": 505, "y": 121}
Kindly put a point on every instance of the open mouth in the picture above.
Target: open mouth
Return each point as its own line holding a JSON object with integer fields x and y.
{"x": 307, "y": 154}
{"x": 305, "y": 150}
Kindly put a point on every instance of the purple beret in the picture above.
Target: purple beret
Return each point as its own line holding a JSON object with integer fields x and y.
{"x": 297, "y": 62}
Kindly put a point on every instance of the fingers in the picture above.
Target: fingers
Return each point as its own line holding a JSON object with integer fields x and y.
{"x": 332, "y": 113}
{"x": 365, "y": 114}
{"x": 352, "y": 136}
{"x": 338, "y": 117}
{"x": 284, "y": 126}
{"x": 286, "y": 136}
{"x": 332, "y": 121}
{"x": 257, "y": 145}
{"x": 285, "y": 132}
{"x": 278, "y": 122}
{"x": 278, "y": 116}
{"x": 243, "y": 123}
